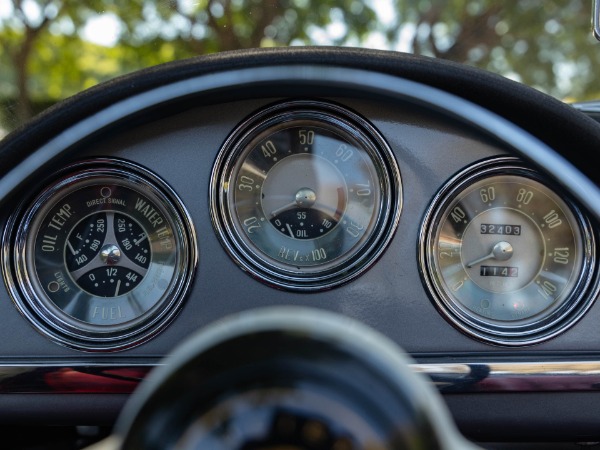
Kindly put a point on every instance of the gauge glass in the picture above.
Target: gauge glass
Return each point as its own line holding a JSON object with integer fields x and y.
{"x": 306, "y": 195}
{"x": 507, "y": 256}
{"x": 104, "y": 257}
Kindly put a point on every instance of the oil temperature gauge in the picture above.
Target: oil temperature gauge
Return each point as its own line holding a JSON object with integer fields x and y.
{"x": 305, "y": 195}
{"x": 102, "y": 258}
{"x": 506, "y": 257}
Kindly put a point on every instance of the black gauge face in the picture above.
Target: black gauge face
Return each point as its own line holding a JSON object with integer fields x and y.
{"x": 104, "y": 256}
{"x": 304, "y": 197}
{"x": 108, "y": 254}
{"x": 507, "y": 256}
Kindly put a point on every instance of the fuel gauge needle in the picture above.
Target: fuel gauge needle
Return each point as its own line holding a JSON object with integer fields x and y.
{"x": 502, "y": 251}
{"x": 71, "y": 248}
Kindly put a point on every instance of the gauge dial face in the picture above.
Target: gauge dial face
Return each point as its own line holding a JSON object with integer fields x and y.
{"x": 104, "y": 258}
{"x": 507, "y": 256}
{"x": 305, "y": 196}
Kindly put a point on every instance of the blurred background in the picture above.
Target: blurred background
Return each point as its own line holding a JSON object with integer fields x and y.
{"x": 51, "y": 49}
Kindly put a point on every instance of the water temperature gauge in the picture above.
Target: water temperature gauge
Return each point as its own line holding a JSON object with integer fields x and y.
{"x": 506, "y": 257}
{"x": 103, "y": 258}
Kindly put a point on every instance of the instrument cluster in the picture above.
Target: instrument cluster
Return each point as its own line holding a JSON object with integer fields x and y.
{"x": 305, "y": 196}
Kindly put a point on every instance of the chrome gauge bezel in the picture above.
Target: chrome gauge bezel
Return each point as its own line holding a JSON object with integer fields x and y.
{"x": 538, "y": 327}
{"x": 19, "y": 266}
{"x": 341, "y": 269}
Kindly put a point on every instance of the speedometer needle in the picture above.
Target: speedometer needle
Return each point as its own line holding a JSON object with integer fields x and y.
{"x": 502, "y": 251}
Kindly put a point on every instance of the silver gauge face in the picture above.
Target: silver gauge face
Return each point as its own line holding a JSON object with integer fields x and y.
{"x": 103, "y": 258}
{"x": 508, "y": 259}
{"x": 305, "y": 195}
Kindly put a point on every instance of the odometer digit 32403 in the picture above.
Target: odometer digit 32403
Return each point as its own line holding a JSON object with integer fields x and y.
{"x": 305, "y": 195}
{"x": 507, "y": 258}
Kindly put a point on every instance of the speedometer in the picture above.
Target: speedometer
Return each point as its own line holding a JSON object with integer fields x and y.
{"x": 305, "y": 195}
{"x": 506, "y": 257}
{"x": 102, "y": 257}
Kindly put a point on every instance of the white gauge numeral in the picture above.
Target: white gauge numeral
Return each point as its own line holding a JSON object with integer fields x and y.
{"x": 344, "y": 153}
{"x": 547, "y": 289}
{"x": 354, "y": 229}
{"x": 561, "y": 255}
{"x": 524, "y": 196}
{"x": 365, "y": 189}
{"x": 246, "y": 183}
{"x": 252, "y": 224}
{"x": 552, "y": 219}
{"x": 268, "y": 149}
{"x": 306, "y": 137}
{"x": 488, "y": 194}
{"x": 458, "y": 214}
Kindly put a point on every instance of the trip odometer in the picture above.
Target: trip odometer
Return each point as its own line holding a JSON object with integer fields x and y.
{"x": 506, "y": 257}
{"x": 104, "y": 257}
{"x": 305, "y": 195}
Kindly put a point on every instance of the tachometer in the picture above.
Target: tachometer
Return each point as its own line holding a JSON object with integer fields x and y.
{"x": 507, "y": 258}
{"x": 102, "y": 257}
{"x": 305, "y": 195}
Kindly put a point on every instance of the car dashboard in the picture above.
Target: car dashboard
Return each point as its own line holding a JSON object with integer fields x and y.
{"x": 416, "y": 197}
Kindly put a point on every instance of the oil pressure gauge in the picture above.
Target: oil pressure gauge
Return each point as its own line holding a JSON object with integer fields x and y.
{"x": 305, "y": 195}
{"x": 507, "y": 258}
{"x": 102, "y": 258}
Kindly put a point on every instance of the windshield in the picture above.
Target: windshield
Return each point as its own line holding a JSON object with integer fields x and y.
{"x": 51, "y": 49}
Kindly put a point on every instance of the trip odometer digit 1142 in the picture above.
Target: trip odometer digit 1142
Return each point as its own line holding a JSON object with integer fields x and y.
{"x": 104, "y": 257}
{"x": 305, "y": 195}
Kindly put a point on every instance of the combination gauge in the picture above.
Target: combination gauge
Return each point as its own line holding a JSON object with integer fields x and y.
{"x": 102, "y": 257}
{"x": 305, "y": 195}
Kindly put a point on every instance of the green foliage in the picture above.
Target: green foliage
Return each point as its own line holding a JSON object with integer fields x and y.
{"x": 44, "y": 56}
{"x": 547, "y": 45}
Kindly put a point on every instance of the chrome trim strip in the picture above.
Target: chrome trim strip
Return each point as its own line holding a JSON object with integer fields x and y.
{"x": 462, "y": 378}
{"x": 448, "y": 378}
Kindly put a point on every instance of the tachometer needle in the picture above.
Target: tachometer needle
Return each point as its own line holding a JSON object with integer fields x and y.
{"x": 304, "y": 198}
{"x": 283, "y": 208}
{"x": 502, "y": 251}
